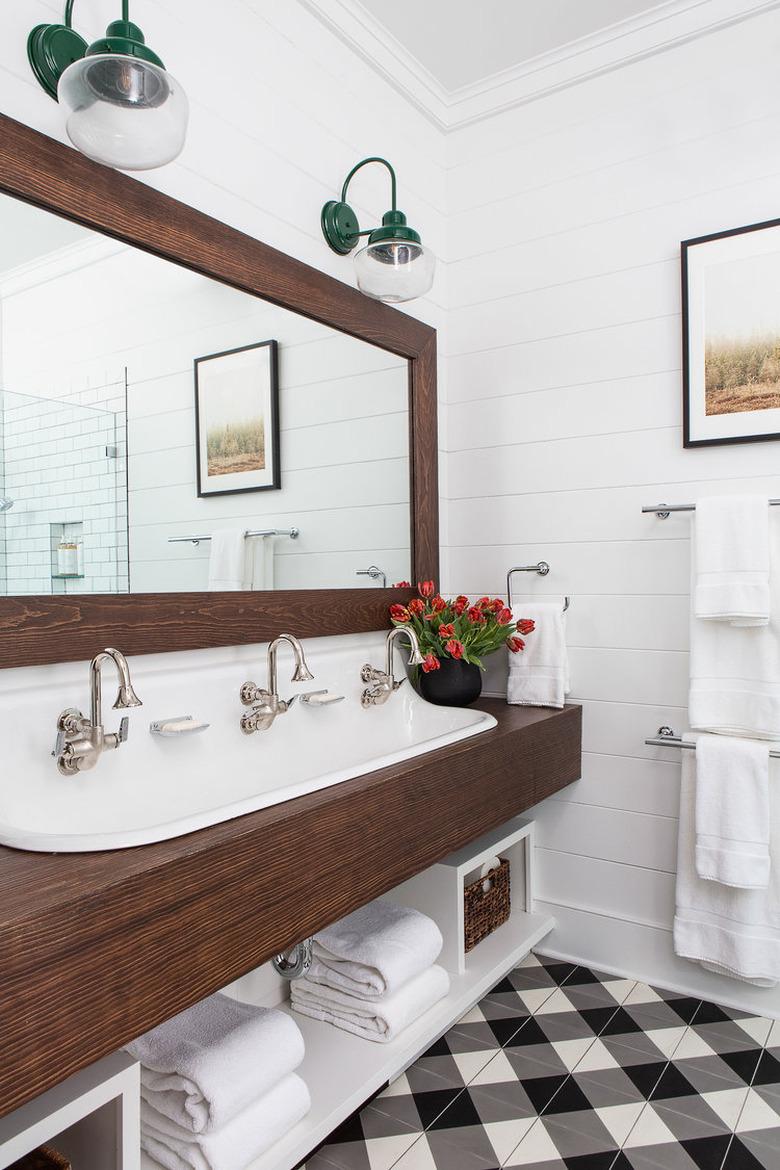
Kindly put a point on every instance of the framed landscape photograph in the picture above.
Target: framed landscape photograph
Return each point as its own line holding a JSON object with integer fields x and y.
{"x": 237, "y": 420}
{"x": 731, "y": 336}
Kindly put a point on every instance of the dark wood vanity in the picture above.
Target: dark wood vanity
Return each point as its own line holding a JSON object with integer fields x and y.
{"x": 96, "y": 948}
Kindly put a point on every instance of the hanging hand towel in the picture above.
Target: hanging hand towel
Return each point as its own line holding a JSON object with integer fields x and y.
{"x": 228, "y": 561}
{"x": 375, "y": 950}
{"x": 735, "y": 671}
{"x": 374, "y": 1019}
{"x": 235, "y": 1145}
{"x": 732, "y": 811}
{"x": 731, "y": 535}
{"x": 539, "y": 675}
{"x": 204, "y": 1066}
{"x": 730, "y": 931}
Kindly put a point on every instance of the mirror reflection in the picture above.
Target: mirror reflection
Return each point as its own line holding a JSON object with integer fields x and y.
{"x": 160, "y": 431}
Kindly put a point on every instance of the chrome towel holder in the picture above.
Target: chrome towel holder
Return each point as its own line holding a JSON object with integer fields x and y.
{"x": 663, "y": 511}
{"x": 542, "y": 568}
{"x": 666, "y": 737}
{"x": 293, "y": 534}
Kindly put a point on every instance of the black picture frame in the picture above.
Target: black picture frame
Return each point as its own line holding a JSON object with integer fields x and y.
{"x": 692, "y": 346}
{"x": 269, "y": 398}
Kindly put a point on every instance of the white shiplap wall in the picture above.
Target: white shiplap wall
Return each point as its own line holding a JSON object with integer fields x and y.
{"x": 564, "y": 418}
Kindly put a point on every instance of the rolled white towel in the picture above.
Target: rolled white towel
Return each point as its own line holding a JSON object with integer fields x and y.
{"x": 379, "y": 1019}
{"x": 234, "y": 1145}
{"x": 375, "y": 950}
{"x": 205, "y": 1065}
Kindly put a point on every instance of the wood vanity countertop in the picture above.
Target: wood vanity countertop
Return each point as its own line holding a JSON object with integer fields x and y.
{"x": 96, "y": 948}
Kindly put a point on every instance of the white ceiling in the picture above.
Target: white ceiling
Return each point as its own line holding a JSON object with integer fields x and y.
{"x": 460, "y": 43}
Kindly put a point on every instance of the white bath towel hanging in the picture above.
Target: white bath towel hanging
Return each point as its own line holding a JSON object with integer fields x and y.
{"x": 735, "y": 671}
{"x": 208, "y": 1063}
{"x": 228, "y": 561}
{"x": 732, "y": 811}
{"x": 733, "y": 932}
{"x": 731, "y": 536}
{"x": 539, "y": 674}
{"x": 380, "y": 1020}
{"x": 375, "y": 950}
{"x": 235, "y": 1145}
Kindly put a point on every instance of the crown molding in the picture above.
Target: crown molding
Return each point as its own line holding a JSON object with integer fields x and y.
{"x": 661, "y": 28}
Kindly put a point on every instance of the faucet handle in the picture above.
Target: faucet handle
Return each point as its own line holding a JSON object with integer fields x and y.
{"x": 59, "y": 743}
{"x": 124, "y": 730}
{"x": 251, "y": 693}
{"x": 370, "y": 673}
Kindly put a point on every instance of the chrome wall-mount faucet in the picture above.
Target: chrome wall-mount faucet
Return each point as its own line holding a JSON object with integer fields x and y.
{"x": 385, "y": 682}
{"x": 82, "y": 741}
{"x": 266, "y": 704}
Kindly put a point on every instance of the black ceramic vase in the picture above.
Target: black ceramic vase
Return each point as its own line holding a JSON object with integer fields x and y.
{"x": 454, "y": 684}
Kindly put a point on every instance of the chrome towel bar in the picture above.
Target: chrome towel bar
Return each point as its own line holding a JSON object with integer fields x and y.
{"x": 663, "y": 511}
{"x": 667, "y": 738}
{"x": 293, "y": 534}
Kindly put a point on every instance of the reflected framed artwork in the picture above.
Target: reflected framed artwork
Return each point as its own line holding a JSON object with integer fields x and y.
{"x": 731, "y": 336}
{"x": 237, "y": 420}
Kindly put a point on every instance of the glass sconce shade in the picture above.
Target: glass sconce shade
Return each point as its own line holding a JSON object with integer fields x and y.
{"x": 394, "y": 270}
{"x": 394, "y": 266}
{"x": 123, "y": 111}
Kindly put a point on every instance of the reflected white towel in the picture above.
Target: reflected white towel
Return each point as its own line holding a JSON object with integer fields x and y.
{"x": 375, "y": 950}
{"x": 228, "y": 560}
{"x": 205, "y": 1065}
{"x": 732, "y": 811}
{"x": 731, "y": 534}
{"x": 233, "y": 1146}
{"x": 539, "y": 675}
{"x": 732, "y": 932}
{"x": 735, "y": 671}
{"x": 260, "y": 562}
{"x": 373, "y": 1019}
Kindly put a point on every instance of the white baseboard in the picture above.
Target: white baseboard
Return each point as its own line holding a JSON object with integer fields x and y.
{"x": 636, "y": 951}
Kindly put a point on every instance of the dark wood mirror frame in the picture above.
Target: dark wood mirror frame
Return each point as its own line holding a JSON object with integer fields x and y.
{"x": 45, "y": 629}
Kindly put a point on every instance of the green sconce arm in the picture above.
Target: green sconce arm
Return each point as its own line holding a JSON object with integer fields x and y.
{"x": 364, "y": 163}
{"x": 339, "y": 222}
{"x": 69, "y": 12}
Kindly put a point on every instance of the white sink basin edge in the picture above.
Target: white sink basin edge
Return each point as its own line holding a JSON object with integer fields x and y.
{"x": 154, "y": 789}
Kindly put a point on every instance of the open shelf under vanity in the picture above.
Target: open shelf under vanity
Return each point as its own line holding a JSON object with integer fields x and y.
{"x": 343, "y": 1071}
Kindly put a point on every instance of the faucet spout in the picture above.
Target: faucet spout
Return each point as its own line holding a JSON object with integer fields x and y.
{"x": 126, "y": 696}
{"x": 301, "y": 672}
{"x": 415, "y": 658}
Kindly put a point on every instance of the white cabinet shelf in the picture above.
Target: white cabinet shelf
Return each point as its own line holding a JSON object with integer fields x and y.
{"x": 91, "y": 1118}
{"x": 342, "y": 1070}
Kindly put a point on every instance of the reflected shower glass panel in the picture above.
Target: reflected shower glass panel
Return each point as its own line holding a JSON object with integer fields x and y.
{"x": 63, "y": 495}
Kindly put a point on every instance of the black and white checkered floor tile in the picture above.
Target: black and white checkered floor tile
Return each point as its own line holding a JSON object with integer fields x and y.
{"x": 564, "y": 1068}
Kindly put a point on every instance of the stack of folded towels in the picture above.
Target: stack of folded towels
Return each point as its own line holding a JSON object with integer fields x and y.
{"x": 218, "y": 1086}
{"x": 374, "y": 973}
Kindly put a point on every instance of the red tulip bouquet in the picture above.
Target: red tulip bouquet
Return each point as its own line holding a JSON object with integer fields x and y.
{"x": 455, "y": 629}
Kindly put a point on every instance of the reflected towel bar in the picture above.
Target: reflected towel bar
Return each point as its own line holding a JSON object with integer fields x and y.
{"x": 663, "y": 511}
{"x": 667, "y": 738}
{"x": 542, "y": 568}
{"x": 293, "y": 534}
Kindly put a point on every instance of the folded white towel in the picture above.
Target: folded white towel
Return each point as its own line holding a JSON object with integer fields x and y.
{"x": 228, "y": 561}
{"x": 207, "y": 1064}
{"x": 730, "y": 931}
{"x": 375, "y": 950}
{"x": 735, "y": 672}
{"x": 376, "y": 1019}
{"x": 732, "y": 558}
{"x": 234, "y": 1145}
{"x": 732, "y": 811}
{"x": 539, "y": 675}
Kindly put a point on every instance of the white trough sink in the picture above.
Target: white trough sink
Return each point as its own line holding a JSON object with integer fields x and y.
{"x": 152, "y": 789}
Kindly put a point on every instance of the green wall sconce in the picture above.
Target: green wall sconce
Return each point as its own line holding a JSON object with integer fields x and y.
{"x": 393, "y": 266}
{"x": 121, "y": 106}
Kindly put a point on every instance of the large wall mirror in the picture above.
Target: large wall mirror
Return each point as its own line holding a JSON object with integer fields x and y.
{"x": 146, "y": 408}
{"x": 185, "y": 413}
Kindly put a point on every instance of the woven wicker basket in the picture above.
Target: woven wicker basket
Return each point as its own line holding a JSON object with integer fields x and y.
{"x": 45, "y": 1158}
{"x": 486, "y": 910}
